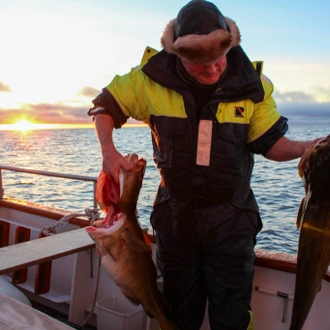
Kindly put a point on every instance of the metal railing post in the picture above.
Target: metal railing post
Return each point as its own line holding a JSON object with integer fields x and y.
{"x": 94, "y": 199}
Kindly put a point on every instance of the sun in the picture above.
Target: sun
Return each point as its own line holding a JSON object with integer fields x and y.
{"x": 23, "y": 125}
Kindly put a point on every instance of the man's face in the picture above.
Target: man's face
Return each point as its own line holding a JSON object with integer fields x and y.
{"x": 206, "y": 74}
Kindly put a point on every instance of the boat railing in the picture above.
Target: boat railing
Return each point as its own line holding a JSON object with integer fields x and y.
{"x": 47, "y": 173}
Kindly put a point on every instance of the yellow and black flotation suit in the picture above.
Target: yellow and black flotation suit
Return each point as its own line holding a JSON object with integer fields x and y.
{"x": 241, "y": 112}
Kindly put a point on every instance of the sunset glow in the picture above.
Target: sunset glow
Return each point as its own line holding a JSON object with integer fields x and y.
{"x": 25, "y": 126}
{"x": 52, "y": 72}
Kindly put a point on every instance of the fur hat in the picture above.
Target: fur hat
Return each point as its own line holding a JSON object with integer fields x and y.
{"x": 200, "y": 33}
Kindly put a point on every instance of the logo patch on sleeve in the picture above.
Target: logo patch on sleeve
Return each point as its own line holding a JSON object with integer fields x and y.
{"x": 239, "y": 112}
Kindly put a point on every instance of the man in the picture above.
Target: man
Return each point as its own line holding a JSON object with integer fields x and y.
{"x": 209, "y": 110}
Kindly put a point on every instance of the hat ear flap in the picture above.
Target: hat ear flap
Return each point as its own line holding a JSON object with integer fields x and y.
{"x": 167, "y": 40}
{"x": 234, "y": 31}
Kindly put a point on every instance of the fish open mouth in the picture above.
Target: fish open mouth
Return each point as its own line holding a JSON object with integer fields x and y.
{"x": 113, "y": 215}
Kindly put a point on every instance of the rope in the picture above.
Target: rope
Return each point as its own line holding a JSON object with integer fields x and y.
{"x": 95, "y": 294}
{"x": 91, "y": 214}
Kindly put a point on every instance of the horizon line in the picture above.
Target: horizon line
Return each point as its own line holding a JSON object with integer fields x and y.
{"x": 32, "y": 127}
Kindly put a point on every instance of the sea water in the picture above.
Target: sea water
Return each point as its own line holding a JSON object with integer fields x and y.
{"x": 277, "y": 186}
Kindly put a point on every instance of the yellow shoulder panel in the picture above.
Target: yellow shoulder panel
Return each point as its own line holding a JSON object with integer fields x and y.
{"x": 265, "y": 113}
{"x": 148, "y": 53}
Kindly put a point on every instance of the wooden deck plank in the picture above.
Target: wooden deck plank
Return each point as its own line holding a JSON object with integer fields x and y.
{"x": 15, "y": 257}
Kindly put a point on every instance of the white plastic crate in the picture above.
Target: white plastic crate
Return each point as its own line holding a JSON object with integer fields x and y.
{"x": 116, "y": 313}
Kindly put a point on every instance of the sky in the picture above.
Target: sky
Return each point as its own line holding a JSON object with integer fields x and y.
{"x": 57, "y": 55}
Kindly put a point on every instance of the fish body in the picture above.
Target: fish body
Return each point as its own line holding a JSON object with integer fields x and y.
{"x": 314, "y": 223}
{"x": 123, "y": 246}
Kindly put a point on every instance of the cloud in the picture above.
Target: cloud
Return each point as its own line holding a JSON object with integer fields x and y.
{"x": 306, "y": 112}
{"x": 4, "y": 87}
{"x": 47, "y": 113}
{"x": 293, "y": 97}
{"x": 318, "y": 95}
{"x": 302, "y": 107}
{"x": 297, "y": 106}
{"x": 322, "y": 93}
{"x": 89, "y": 92}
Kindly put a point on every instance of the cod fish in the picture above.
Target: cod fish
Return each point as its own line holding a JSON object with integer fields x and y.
{"x": 314, "y": 222}
{"x": 124, "y": 248}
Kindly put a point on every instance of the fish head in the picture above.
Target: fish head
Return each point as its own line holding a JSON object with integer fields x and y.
{"x": 131, "y": 183}
{"x": 116, "y": 198}
{"x": 314, "y": 168}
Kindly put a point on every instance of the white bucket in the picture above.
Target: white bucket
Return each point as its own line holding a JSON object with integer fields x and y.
{"x": 116, "y": 313}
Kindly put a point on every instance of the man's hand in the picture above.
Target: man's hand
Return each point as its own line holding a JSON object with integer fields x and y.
{"x": 113, "y": 162}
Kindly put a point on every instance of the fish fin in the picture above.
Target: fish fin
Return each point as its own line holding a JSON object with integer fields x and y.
{"x": 99, "y": 251}
{"x": 135, "y": 243}
{"x": 107, "y": 251}
{"x": 299, "y": 215}
{"x": 147, "y": 240}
